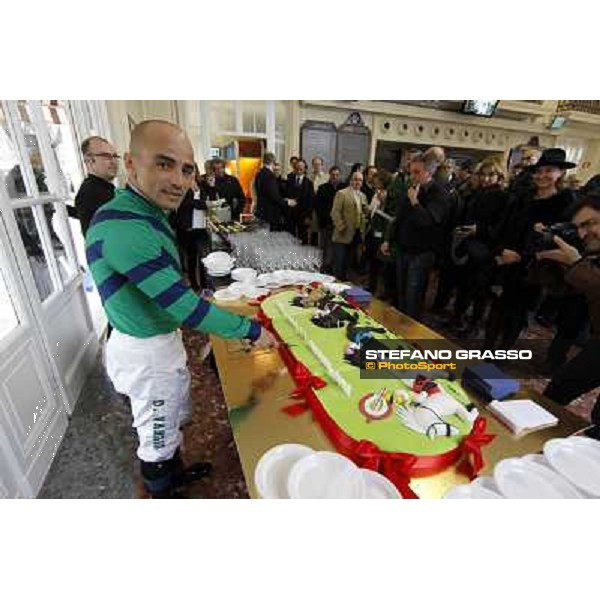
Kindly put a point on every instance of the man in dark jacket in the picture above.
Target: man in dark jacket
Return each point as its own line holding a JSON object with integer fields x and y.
{"x": 270, "y": 204}
{"x": 102, "y": 163}
{"x": 582, "y": 373}
{"x": 300, "y": 188}
{"x": 418, "y": 233}
{"x": 229, "y": 188}
{"x": 323, "y": 205}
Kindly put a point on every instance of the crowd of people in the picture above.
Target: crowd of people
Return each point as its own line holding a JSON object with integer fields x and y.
{"x": 488, "y": 249}
{"x": 492, "y": 250}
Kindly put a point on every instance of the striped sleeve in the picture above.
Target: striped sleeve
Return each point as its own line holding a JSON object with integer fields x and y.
{"x": 150, "y": 267}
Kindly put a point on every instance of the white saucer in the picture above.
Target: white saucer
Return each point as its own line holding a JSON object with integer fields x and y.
{"x": 379, "y": 487}
{"x": 526, "y": 479}
{"x": 577, "y": 459}
{"x": 272, "y": 470}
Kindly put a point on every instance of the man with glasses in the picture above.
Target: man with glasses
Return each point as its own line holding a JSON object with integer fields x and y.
{"x": 102, "y": 163}
{"x": 582, "y": 373}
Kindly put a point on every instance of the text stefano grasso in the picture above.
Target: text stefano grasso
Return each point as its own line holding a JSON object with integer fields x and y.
{"x": 415, "y": 354}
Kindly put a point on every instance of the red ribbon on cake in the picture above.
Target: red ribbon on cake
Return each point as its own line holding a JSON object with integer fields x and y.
{"x": 471, "y": 448}
{"x": 398, "y": 467}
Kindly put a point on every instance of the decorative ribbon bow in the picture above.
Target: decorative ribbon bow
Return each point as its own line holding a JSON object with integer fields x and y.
{"x": 471, "y": 448}
{"x": 395, "y": 466}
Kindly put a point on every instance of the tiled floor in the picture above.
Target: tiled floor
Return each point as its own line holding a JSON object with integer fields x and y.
{"x": 97, "y": 456}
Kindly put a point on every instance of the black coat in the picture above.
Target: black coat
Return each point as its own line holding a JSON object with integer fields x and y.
{"x": 93, "y": 193}
{"x": 324, "y": 203}
{"x": 304, "y": 194}
{"x": 524, "y": 212}
{"x": 229, "y": 187}
{"x": 270, "y": 203}
{"x": 421, "y": 228}
{"x": 487, "y": 210}
{"x": 182, "y": 218}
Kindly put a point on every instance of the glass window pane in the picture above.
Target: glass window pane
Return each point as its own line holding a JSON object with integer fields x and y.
{"x": 8, "y": 315}
{"x": 280, "y": 117}
{"x": 222, "y": 115}
{"x": 58, "y": 234}
{"x": 35, "y": 251}
{"x": 10, "y": 171}
{"x": 32, "y": 146}
{"x": 254, "y": 116}
{"x": 63, "y": 144}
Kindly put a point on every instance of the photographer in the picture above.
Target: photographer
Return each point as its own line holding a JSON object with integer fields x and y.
{"x": 582, "y": 373}
{"x": 547, "y": 205}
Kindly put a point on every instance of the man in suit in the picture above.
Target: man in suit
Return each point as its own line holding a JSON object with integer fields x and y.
{"x": 229, "y": 188}
{"x": 418, "y": 233}
{"x": 300, "y": 188}
{"x": 270, "y": 203}
{"x": 323, "y": 206}
{"x": 102, "y": 163}
{"x": 347, "y": 214}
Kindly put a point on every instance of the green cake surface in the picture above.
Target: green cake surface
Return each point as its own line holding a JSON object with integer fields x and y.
{"x": 389, "y": 434}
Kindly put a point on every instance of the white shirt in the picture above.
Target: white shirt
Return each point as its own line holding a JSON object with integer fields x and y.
{"x": 319, "y": 179}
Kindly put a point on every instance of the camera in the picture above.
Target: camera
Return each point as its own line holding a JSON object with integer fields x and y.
{"x": 566, "y": 231}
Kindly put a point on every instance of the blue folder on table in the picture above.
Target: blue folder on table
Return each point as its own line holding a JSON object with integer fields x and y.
{"x": 489, "y": 381}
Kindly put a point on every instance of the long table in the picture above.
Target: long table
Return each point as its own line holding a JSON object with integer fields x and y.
{"x": 258, "y": 422}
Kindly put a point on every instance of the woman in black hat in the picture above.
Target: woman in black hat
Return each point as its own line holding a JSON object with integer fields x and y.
{"x": 545, "y": 205}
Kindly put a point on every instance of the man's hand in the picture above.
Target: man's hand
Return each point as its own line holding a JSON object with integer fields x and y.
{"x": 265, "y": 340}
{"x": 509, "y": 257}
{"x": 413, "y": 193}
{"x": 385, "y": 248}
{"x": 291, "y": 203}
{"x": 564, "y": 254}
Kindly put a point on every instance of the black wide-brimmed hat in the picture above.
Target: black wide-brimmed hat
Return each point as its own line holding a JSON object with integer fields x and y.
{"x": 552, "y": 157}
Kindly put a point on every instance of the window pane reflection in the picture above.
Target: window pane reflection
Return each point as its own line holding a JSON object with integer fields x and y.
{"x": 58, "y": 234}
{"x": 10, "y": 171}
{"x": 63, "y": 143}
{"x": 32, "y": 146}
{"x": 35, "y": 251}
{"x": 8, "y": 315}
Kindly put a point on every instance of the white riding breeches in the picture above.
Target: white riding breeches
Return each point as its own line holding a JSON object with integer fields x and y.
{"x": 153, "y": 373}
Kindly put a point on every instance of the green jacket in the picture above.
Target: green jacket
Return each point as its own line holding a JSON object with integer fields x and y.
{"x": 132, "y": 254}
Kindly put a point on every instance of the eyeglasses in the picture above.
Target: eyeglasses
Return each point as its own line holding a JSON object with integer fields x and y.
{"x": 106, "y": 155}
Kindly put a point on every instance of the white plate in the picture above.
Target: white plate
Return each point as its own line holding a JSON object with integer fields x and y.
{"x": 325, "y": 475}
{"x": 517, "y": 478}
{"x": 226, "y": 295}
{"x": 379, "y": 487}
{"x": 578, "y": 459}
{"x": 272, "y": 471}
{"x": 218, "y": 257}
{"x": 488, "y": 485}
{"x": 469, "y": 491}
{"x": 244, "y": 274}
{"x": 254, "y": 292}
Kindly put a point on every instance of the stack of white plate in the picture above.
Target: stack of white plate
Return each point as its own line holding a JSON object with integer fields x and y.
{"x": 577, "y": 459}
{"x": 218, "y": 264}
{"x": 296, "y": 471}
{"x": 244, "y": 274}
{"x": 569, "y": 468}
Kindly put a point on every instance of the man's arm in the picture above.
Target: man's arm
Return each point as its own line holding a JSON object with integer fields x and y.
{"x": 585, "y": 278}
{"x": 88, "y": 200}
{"x": 138, "y": 255}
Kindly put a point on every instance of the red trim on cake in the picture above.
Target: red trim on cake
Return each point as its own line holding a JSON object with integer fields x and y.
{"x": 398, "y": 467}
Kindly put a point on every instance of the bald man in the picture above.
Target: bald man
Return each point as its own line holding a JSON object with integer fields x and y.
{"x": 132, "y": 253}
